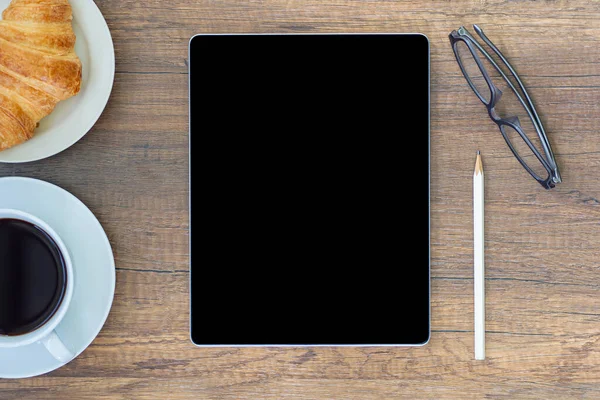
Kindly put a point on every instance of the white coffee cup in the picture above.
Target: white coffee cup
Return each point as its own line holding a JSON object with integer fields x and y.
{"x": 45, "y": 334}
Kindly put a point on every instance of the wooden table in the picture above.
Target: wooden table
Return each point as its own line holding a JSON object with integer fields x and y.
{"x": 543, "y": 247}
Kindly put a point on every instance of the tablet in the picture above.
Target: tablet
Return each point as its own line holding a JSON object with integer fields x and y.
{"x": 309, "y": 170}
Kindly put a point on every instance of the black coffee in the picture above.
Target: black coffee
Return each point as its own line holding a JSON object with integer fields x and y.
{"x": 32, "y": 277}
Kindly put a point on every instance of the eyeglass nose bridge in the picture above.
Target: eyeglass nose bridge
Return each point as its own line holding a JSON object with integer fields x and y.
{"x": 494, "y": 99}
{"x": 514, "y": 120}
{"x": 497, "y": 94}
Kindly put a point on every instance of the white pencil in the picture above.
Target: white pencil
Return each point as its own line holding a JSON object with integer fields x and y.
{"x": 479, "y": 269}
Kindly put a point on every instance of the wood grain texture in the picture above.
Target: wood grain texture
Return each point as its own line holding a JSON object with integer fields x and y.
{"x": 542, "y": 247}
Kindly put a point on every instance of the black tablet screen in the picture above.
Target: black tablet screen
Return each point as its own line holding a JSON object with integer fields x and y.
{"x": 309, "y": 189}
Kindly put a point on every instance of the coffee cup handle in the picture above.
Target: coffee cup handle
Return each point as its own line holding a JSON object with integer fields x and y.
{"x": 57, "y": 348}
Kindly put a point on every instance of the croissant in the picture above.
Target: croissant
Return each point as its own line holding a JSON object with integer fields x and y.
{"x": 38, "y": 65}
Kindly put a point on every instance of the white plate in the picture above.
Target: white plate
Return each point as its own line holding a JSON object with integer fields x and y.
{"x": 93, "y": 268}
{"x": 74, "y": 117}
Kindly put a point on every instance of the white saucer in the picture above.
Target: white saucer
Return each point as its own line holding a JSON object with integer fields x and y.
{"x": 93, "y": 267}
{"x": 74, "y": 117}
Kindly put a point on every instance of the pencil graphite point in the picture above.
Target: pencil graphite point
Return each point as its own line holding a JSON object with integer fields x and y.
{"x": 478, "y": 164}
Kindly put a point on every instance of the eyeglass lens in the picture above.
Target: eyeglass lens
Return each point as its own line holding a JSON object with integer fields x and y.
{"x": 474, "y": 74}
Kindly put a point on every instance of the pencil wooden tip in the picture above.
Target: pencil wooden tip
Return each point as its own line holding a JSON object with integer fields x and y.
{"x": 478, "y": 164}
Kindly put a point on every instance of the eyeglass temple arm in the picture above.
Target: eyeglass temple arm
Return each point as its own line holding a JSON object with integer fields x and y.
{"x": 543, "y": 137}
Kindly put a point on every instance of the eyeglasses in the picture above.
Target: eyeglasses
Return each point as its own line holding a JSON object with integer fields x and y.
{"x": 515, "y": 115}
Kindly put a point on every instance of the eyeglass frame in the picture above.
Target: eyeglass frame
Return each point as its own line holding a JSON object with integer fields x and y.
{"x": 548, "y": 162}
